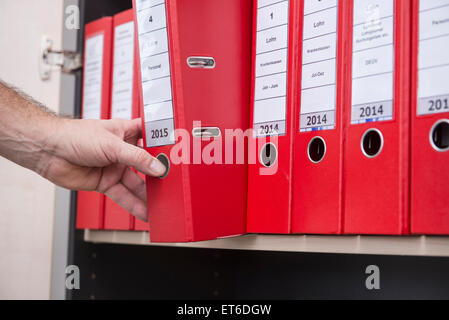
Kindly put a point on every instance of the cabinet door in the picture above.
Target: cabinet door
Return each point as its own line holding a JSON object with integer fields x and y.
{"x": 27, "y": 210}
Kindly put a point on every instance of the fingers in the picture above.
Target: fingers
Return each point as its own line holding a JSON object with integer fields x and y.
{"x": 128, "y": 201}
{"x": 133, "y": 131}
{"x": 135, "y": 184}
{"x": 127, "y": 153}
{"x": 138, "y": 158}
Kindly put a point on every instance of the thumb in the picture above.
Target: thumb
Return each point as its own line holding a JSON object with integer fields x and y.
{"x": 140, "y": 159}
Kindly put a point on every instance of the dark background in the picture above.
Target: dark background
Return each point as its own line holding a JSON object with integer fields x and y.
{"x": 140, "y": 272}
{"x": 137, "y": 272}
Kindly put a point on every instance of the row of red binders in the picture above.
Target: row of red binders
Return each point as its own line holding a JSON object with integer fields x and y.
{"x": 109, "y": 91}
{"x": 279, "y": 116}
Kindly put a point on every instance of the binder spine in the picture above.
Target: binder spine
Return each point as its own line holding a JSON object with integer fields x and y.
{"x": 318, "y": 133}
{"x": 377, "y": 151}
{"x": 271, "y": 62}
{"x": 156, "y": 77}
{"x": 430, "y": 38}
{"x": 95, "y": 105}
{"x": 161, "y": 100}
{"x": 430, "y": 118}
{"x": 123, "y": 101}
{"x": 178, "y": 101}
{"x": 403, "y": 94}
{"x": 272, "y": 103}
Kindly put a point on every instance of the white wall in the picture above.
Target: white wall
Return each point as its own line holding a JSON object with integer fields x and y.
{"x": 27, "y": 201}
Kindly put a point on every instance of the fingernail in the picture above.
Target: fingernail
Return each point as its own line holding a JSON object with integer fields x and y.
{"x": 157, "y": 167}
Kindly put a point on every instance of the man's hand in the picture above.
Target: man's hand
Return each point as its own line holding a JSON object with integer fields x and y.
{"x": 90, "y": 155}
{"x": 95, "y": 155}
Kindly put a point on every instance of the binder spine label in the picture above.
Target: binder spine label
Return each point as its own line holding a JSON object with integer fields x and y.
{"x": 373, "y": 61}
{"x": 93, "y": 77}
{"x": 155, "y": 70}
{"x": 123, "y": 72}
{"x": 319, "y": 65}
{"x": 270, "y": 96}
{"x": 433, "y": 87}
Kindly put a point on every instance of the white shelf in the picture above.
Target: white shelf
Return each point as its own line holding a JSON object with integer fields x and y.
{"x": 370, "y": 245}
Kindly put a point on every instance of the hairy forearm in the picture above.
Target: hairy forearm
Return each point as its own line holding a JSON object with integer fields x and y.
{"x": 90, "y": 155}
{"x": 25, "y": 128}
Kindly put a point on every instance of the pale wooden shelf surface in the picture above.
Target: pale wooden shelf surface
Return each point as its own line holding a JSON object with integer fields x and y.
{"x": 370, "y": 245}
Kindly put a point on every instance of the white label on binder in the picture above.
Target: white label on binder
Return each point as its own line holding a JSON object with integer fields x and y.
{"x": 270, "y": 96}
{"x": 264, "y": 3}
{"x": 145, "y": 4}
{"x": 311, "y": 6}
{"x": 372, "y": 61}
{"x": 155, "y": 67}
{"x": 160, "y": 133}
{"x": 318, "y": 100}
{"x": 159, "y": 111}
{"x": 432, "y": 4}
{"x": 271, "y": 63}
{"x": 156, "y": 91}
{"x": 273, "y": 86}
{"x": 372, "y": 11}
{"x": 318, "y": 74}
{"x": 153, "y": 43}
{"x": 124, "y": 34}
{"x": 319, "y": 49}
{"x": 433, "y": 87}
{"x": 373, "y": 35}
{"x": 319, "y": 66}
{"x": 272, "y": 16}
{"x": 123, "y": 54}
{"x": 269, "y": 117}
{"x": 320, "y": 23}
{"x": 272, "y": 39}
{"x": 123, "y": 70}
{"x": 122, "y": 109}
{"x": 372, "y": 99}
{"x": 122, "y": 91}
{"x": 152, "y": 19}
{"x": 155, "y": 70}
{"x": 93, "y": 77}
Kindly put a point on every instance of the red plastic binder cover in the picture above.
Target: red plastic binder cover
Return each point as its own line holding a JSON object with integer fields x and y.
{"x": 140, "y": 225}
{"x": 195, "y": 66}
{"x": 274, "y": 54}
{"x": 430, "y": 119}
{"x": 96, "y": 103}
{"x": 377, "y": 157}
{"x": 124, "y": 100}
{"x": 317, "y": 191}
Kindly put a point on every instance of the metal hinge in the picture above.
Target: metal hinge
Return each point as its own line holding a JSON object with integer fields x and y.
{"x": 49, "y": 60}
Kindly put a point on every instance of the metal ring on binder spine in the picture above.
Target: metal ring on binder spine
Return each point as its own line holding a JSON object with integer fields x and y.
{"x": 444, "y": 135}
{"x": 381, "y": 146}
{"x": 201, "y": 62}
{"x": 206, "y": 132}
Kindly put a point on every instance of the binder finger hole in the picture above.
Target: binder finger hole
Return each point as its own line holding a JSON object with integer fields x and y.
{"x": 268, "y": 155}
{"x": 439, "y": 136}
{"x": 162, "y": 157}
{"x": 201, "y": 62}
{"x": 317, "y": 150}
{"x": 372, "y": 143}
